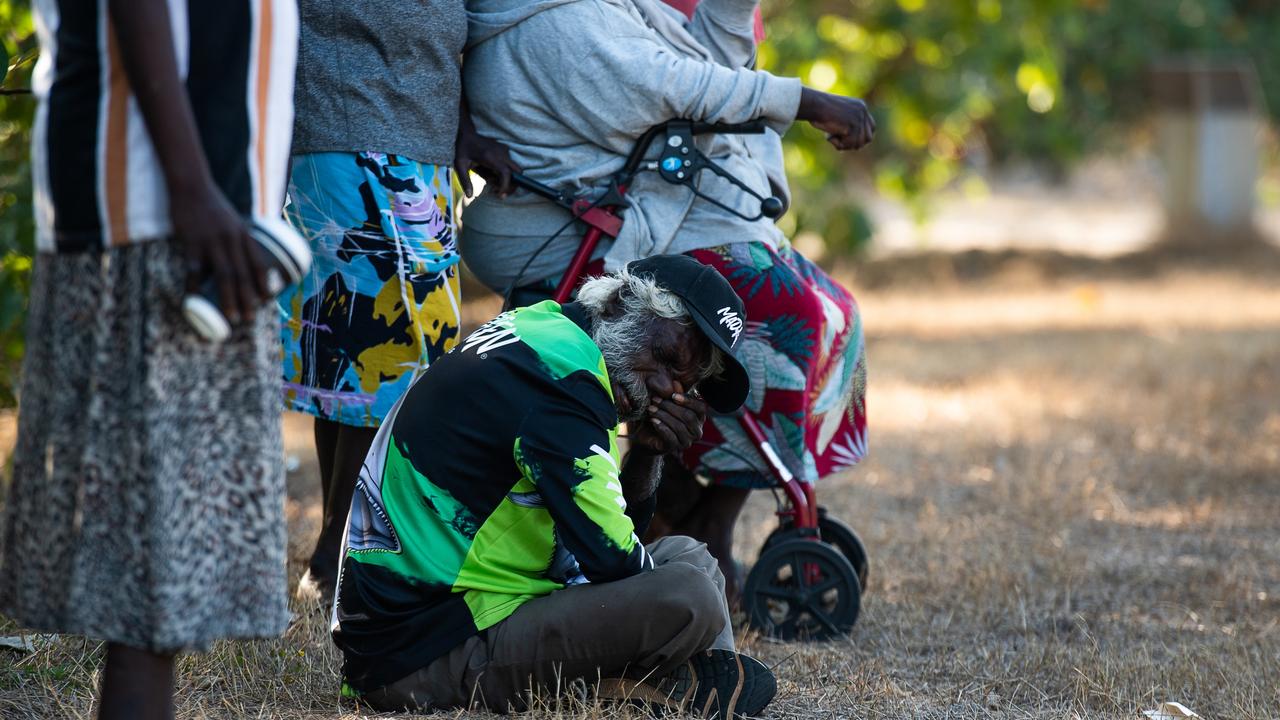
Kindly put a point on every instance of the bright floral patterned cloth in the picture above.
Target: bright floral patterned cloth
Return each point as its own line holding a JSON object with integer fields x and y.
{"x": 803, "y": 349}
{"x": 381, "y": 229}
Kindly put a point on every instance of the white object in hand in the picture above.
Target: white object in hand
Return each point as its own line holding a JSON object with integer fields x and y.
{"x": 283, "y": 253}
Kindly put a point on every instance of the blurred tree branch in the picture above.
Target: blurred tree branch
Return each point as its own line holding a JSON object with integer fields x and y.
{"x": 959, "y": 87}
{"x": 18, "y": 52}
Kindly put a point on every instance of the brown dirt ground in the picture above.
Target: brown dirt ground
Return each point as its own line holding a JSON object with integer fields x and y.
{"x": 1072, "y": 505}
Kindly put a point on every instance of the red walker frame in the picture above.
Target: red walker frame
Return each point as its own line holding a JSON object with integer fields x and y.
{"x": 603, "y": 220}
{"x": 679, "y": 162}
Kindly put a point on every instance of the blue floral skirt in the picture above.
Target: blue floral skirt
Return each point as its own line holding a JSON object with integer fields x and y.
{"x": 381, "y": 302}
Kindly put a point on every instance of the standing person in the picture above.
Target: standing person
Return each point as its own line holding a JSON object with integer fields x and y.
{"x": 592, "y": 76}
{"x": 380, "y": 118}
{"x": 147, "y": 506}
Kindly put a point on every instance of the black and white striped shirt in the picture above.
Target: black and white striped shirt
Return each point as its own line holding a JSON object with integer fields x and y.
{"x": 97, "y": 179}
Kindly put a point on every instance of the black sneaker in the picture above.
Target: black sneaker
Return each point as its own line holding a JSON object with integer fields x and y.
{"x": 715, "y": 684}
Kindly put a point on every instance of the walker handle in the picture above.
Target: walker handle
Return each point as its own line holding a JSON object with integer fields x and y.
{"x": 751, "y": 127}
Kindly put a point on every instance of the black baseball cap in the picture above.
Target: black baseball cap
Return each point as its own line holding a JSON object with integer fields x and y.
{"x": 718, "y": 312}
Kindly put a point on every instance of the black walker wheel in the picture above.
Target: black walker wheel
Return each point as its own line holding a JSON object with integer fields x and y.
{"x": 835, "y": 532}
{"x": 802, "y": 589}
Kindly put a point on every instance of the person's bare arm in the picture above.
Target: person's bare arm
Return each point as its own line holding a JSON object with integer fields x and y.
{"x": 846, "y": 120}
{"x": 486, "y": 157}
{"x": 641, "y": 472}
{"x": 213, "y": 236}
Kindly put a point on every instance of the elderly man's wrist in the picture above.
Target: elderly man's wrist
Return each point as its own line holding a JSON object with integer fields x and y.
{"x": 644, "y": 451}
{"x": 641, "y": 476}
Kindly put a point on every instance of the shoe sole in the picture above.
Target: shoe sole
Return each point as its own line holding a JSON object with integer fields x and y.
{"x": 696, "y": 687}
{"x": 753, "y": 684}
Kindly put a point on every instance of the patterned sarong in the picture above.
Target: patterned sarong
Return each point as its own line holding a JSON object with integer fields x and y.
{"x": 803, "y": 349}
{"x": 381, "y": 228}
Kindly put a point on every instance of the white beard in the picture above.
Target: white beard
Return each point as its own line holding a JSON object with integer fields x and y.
{"x": 618, "y": 340}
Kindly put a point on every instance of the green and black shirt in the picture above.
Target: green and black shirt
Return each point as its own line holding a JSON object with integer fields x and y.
{"x": 494, "y": 481}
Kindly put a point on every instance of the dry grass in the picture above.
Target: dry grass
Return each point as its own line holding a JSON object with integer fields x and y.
{"x": 1072, "y": 506}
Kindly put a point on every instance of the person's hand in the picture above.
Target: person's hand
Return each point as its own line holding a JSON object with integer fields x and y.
{"x": 216, "y": 243}
{"x": 488, "y": 158}
{"x": 846, "y": 121}
{"x": 670, "y": 425}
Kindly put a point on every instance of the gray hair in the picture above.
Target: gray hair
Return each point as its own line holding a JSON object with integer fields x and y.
{"x": 641, "y": 295}
{"x": 641, "y": 300}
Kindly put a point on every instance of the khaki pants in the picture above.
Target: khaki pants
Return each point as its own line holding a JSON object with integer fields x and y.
{"x": 647, "y": 623}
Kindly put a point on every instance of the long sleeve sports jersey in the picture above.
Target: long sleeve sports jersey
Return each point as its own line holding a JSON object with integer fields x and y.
{"x": 494, "y": 481}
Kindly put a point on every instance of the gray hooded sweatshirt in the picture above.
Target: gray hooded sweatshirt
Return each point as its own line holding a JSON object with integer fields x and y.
{"x": 569, "y": 85}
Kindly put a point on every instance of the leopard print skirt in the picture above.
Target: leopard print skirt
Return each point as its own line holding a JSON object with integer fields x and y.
{"x": 147, "y": 502}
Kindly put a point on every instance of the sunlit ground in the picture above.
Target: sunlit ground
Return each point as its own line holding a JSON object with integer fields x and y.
{"x": 1072, "y": 506}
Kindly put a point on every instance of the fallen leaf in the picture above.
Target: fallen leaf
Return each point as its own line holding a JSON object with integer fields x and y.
{"x": 1170, "y": 711}
{"x": 21, "y": 643}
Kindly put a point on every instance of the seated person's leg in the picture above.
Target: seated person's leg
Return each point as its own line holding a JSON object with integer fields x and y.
{"x": 643, "y": 626}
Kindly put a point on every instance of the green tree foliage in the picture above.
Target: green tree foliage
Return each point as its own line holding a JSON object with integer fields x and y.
{"x": 17, "y": 55}
{"x": 957, "y": 84}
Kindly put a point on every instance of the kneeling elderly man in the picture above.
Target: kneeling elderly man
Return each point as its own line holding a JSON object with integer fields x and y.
{"x": 492, "y": 546}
